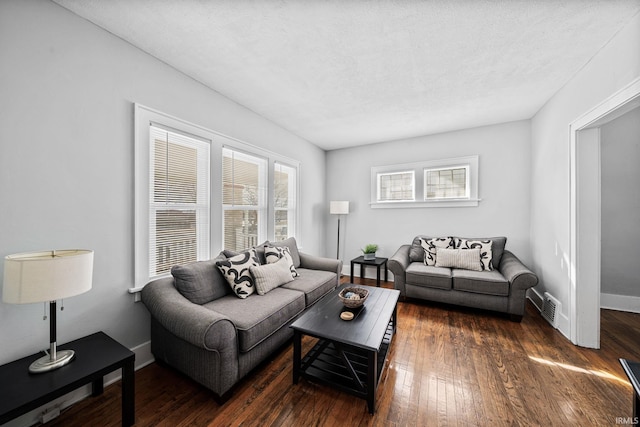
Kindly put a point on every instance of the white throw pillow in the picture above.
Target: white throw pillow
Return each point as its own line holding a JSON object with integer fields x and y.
{"x": 485, "y": 247}
{"x": 270, "y": 276}
{"x": 236, "y": 271}
{"x": 467, "y": 259}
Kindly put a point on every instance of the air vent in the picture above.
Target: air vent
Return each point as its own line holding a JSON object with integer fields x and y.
{"x": 550, "y": 309}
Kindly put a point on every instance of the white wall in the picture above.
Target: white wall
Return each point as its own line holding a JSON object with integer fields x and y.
{"x": 67, "y": 90}
{"x": 620, "y": 175}
{"x": 615, "y": 66}
{"x": 504, "y": 172}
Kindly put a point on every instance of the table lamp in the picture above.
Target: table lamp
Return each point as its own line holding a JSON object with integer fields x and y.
{"x": 47, "y": 276}
{"x": 338, "y": 208}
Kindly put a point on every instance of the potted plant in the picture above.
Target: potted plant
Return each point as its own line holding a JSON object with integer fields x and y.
{"x": 370, "y": 251}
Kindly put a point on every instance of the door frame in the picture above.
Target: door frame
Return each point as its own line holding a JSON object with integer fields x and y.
{"x": 584, "y": 181}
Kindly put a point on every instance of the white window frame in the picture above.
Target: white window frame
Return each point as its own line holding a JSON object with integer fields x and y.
{"x": 379, "y": 176}
{"x": 419, "y": 169}
{"x": 143, "y": 118}
{"x": 467, "y": 188}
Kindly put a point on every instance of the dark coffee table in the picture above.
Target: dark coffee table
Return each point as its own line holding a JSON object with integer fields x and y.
{"x": 349, "y": 355}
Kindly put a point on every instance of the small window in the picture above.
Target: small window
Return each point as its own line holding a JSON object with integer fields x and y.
{"x": 446, "y": 183}
{"x": 396, "y": 187}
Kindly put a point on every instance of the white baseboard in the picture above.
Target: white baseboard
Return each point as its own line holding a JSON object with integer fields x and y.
{"x": 620, "y": 302}
{"x": 143, "y": 358}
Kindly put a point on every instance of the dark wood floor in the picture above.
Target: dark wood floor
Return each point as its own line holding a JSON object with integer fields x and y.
{"x": 447, "y": 367}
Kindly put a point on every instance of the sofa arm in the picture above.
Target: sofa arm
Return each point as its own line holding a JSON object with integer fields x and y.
{"x": 398, "y": 264}
{"x": 313, "y": 262}
{"x": 190, "y": 322}
{"x": 518, "y": 275}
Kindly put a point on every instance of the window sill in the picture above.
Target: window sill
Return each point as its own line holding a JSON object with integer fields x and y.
{"x": 429, "y": 204}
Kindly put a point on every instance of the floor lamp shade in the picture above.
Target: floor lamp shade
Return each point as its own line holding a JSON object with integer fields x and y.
{"x": 46, "y": 277}
{"x": 339, "y": 207}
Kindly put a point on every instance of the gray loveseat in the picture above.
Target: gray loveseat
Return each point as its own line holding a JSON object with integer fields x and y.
{"x": 498, "y": 283}
{"x": 204, "y": 330}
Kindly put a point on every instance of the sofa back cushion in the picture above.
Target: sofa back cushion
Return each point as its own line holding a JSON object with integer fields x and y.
{"x": 200, "y": 282}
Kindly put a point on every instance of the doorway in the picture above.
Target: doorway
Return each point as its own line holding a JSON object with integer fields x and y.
{"x": 585, "y": 221}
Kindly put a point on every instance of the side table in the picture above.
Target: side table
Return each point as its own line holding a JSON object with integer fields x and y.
{"x": 96, "y": 355}
{"x": 377, "y": 262}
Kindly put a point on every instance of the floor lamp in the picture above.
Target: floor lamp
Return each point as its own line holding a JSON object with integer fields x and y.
{"x": 338, "y": 208}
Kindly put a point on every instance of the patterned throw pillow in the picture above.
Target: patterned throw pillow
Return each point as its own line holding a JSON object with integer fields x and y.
{"x": 236, "y": 271}
{"x": 274, "y": 253}
{"x": 485, "y": 246}
{"x": 430, "y": 246}
{"x": 468, "y": 259}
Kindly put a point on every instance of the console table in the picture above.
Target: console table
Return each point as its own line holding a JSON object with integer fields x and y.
{"x": 95, "y": 356}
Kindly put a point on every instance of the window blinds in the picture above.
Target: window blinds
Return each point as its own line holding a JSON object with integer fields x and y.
{"x": 179, "y": 200}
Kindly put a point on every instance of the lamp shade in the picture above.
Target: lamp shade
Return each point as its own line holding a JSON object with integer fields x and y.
{"x": 46, "y": 276}
{"x": 339, "y": 207}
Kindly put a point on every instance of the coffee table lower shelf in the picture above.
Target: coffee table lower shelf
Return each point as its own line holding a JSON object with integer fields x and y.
{"x": 350, "y": 369}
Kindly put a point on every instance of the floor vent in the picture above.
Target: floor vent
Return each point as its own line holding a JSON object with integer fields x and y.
{"x": 550, "y": 309}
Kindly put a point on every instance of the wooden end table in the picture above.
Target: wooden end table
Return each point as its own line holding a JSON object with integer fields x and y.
{"x": 96, "y": 355}
{"x": 377, "y": 262}
{"x": 349, "y": 355}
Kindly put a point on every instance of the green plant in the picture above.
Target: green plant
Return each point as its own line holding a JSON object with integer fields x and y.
{"x": 371, "y": 248}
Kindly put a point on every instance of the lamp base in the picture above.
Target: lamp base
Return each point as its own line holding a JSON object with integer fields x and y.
{"x": 45, "y": 364}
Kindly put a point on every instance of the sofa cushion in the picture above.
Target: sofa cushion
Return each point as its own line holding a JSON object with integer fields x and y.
{"x": 313, "y": 283}
{"x": 259, "y": 316}
{"x": 293, "y": 248}
{"x": 428, "y": 276}
{"x": 201, "y": 281}
{"x": 480, "y": 282}
{"x": 468, "y": 259}
{"x": 275, "y": 253}
{"x": 236, "y": 271}
{"x": 497, "y": 247}
{"x": 270, "y": 276}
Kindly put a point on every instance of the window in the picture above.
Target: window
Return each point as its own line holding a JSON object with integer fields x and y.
{"x": 284, "y": 200}
{"x": 441, "y": 183}
{"x": 396, "y": 186}
{"x": 179, "y": 200}
{"x": 198, "y": 192}
{"x": 446, "y": 183}
{"x": 244, "y": 183}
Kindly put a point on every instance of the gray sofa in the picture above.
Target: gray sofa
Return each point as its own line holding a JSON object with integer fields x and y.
{"x": 204, "y": 330}
{"x": 500, "y": 285}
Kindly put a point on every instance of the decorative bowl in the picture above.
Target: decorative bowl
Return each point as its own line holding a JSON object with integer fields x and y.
{"x": 353, "y": 297}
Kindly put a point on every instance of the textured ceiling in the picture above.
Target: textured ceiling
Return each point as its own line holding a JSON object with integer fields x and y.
{"x": 341, "y": 73}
